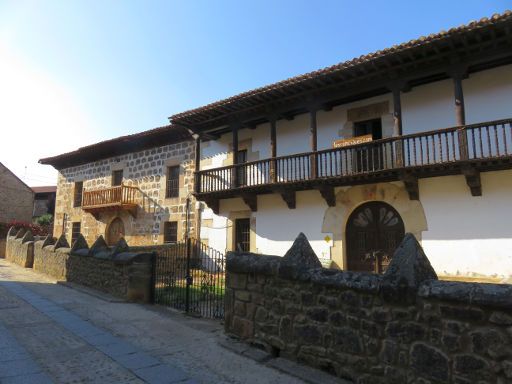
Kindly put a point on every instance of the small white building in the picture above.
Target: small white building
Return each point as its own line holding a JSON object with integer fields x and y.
{"x": 414, "y": 138}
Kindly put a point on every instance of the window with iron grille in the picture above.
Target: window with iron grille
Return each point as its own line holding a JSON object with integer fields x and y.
{"x": 75, "y": 231}
{"x": 243, "y": 235}
{"x": 117, "y": 178}
{"x": 171, "y": 232}
{"x": 77, "y": 197}
{"x": 173, "y": 181}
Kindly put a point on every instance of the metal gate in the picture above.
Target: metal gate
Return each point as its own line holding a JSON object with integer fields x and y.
{"x": 190, "y": 276}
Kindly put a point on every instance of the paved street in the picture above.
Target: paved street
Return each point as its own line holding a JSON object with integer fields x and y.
{"x": 51, "y": 333}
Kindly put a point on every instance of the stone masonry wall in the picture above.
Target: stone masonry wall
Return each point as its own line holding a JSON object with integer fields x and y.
{"x": 115, "y": 270}
{"x": 146, "y": 170}
{"x": 20, "y": 248}
{"x": 401, "y": 327}
{"x": 16, "y": 198}
{"x": 51, "y": 259}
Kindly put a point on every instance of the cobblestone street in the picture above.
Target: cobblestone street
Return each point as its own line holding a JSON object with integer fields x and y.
{"x": 50, "y": 333}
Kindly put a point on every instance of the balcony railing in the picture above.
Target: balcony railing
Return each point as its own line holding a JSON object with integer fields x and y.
{"x": 121, "y": 196}
{"x": 470, "y": 143}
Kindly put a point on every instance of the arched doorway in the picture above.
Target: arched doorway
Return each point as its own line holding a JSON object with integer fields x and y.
{"x": 374, "y": 231}
{"x": 115, "y": 231}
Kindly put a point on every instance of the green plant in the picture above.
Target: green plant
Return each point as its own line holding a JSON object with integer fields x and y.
{"x": 45, "y": 219}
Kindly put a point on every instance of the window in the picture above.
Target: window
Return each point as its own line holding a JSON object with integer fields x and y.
{"x": 75, "y": 231}
{"x": 77, "y": 198}
{"x": 117, "y": 178}
{"x": 373, "y": 127}
{"x": 243, "y": 235}
{"x": 241, "y": 158}
{"x": 173, "y": 181}
{"x": 171, "y": 232}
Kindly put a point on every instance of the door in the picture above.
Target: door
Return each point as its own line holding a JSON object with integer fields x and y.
{"x": 115, "y": 231}
{"x": 374, "y": 231}
{"x": 369, "y": 157}
{"x": 117, "y": 178}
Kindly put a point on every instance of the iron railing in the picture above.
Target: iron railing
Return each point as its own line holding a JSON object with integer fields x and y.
{"x": 485, "y": 141}
{"x": 190, "y": 276}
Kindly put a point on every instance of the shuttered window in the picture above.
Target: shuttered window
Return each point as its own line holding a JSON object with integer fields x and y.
{"x": 173, "y": 181}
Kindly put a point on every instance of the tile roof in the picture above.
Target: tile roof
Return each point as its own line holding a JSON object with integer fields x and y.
{"x": 167, "y": 134}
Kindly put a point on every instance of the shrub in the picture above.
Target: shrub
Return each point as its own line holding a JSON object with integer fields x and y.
{"x": 36, "y": 229}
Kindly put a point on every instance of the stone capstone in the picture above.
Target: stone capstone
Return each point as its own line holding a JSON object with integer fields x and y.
{"x": 299, "y": 258}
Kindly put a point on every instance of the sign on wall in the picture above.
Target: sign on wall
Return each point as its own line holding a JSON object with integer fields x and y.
{"x": 352, "y": 141}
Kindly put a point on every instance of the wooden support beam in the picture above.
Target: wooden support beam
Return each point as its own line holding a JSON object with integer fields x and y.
{"x": 273, "y": 149}
{"x": 234, "y": 130}
{"x": 198, "y": 154}
{"x": 327, "y": 193}
{"x": 411, "y": 185}
{"x": 289, "y": 197}
{"x": 251, "y": 200}
{"x": 473, "y": 181}
{"x": 213, "y": 204}
{"x": 460, "y": 111}
{"x": 313, "y": 142}
{"x": 397, "y": 112}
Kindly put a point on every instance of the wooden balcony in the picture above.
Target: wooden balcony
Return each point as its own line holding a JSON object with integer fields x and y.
{"x": 466, "y": 150}
{"x": 119, "y": 197}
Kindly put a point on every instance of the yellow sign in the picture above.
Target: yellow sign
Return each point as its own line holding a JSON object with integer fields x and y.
{"x": 327, "y": 238}
{"x": 352, "y": 141}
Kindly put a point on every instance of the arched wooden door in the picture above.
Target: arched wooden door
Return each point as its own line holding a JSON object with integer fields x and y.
{"x": 115, "y": 231}
{"x": 374, "y": 231}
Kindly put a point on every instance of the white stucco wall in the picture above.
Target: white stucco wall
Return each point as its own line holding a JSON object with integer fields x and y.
{"x": 277, "y": 226}
{"x": 468, "y": 234}
{"x": 465, "y": 234}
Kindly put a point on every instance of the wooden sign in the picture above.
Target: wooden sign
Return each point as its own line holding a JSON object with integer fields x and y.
{"x": 352, "y": 141}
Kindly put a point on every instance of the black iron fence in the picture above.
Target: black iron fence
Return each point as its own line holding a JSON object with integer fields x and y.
{"x": 190, "y": 276}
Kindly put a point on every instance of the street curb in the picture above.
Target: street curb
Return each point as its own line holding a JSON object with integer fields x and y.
{"x": 289, "y": 367}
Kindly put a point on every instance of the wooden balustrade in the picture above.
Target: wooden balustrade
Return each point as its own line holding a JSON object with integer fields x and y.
{"x": 485, "y": 141}
{"x": 121, "y": 196}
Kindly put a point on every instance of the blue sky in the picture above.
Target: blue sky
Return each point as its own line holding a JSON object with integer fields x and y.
{"x": 78, "y": 72}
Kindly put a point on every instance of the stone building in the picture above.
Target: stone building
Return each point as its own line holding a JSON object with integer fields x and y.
{"x": 134, "y": 186}
{"x": 16, "y": 198}
{"x": 414, "y": 138}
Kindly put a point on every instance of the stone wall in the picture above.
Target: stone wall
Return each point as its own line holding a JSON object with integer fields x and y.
{"x": 401, "y": 327}
{"x": 51, "y": 257}
{"x": 19, "y": 248}
{"x": 16, "y": 198}
{"x": 146, "y": 170}
{"x": 114, "y": 270}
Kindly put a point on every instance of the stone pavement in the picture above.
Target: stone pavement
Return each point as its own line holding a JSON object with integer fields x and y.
{"x": 50, "y": 333}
